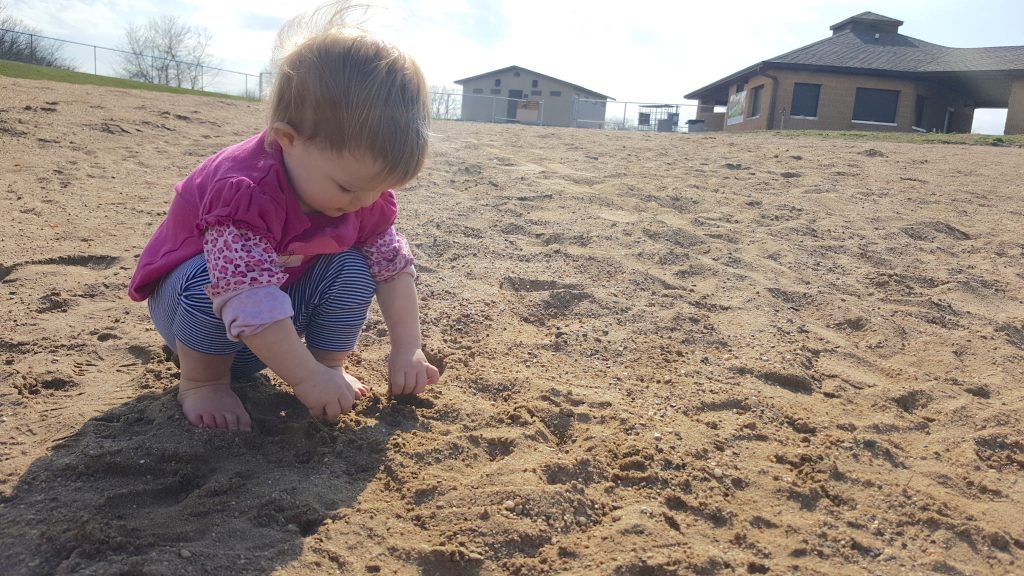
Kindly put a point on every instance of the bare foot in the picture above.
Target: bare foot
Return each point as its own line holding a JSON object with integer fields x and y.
{"x": 213, "y": 406}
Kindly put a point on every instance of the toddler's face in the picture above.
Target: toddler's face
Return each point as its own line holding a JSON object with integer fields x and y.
{"x": 330, "y": 183}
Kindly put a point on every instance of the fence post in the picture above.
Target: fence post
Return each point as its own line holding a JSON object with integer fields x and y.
{"x": 95, "y": 68}
{"x": 541, "y": 112}
{"x": 31, "y": 49}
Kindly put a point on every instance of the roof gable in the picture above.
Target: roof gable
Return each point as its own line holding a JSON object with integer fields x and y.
{"x": 520, "y": 68}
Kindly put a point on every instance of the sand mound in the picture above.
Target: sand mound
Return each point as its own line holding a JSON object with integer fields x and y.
{"x": 663, "y": 354}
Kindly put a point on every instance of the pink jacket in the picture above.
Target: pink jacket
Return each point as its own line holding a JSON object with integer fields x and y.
{"x": 247, "y": 186}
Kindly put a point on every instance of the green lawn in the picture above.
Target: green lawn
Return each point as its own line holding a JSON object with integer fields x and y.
{"x": 31, "y": 72}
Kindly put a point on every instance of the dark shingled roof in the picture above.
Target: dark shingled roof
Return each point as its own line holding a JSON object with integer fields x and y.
{"x": 869, "y": 43}
{"x": 898, "y": 53}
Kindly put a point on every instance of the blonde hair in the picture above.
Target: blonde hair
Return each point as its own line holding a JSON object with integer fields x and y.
{"x": 347, "y": 91}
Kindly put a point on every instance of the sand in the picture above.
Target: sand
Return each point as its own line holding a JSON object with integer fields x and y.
{"x": 662, "y": 354}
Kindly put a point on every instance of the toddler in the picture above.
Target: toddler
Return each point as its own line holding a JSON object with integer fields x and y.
{"x": 290, "y": 233}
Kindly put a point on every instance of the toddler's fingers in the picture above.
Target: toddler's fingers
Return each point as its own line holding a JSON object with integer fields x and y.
{"x": 433, "y": 375}
{"x": 421, "y": 382}
{"x": 410, "y": 383}
{"x": 333, "y": 410}
{"x": 397, "y": 384}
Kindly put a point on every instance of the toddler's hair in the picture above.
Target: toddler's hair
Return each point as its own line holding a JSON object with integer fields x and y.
{"x": 347, "y": 91}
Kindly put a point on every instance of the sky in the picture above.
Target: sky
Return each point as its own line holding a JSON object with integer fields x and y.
{"x": 646, "y": 51}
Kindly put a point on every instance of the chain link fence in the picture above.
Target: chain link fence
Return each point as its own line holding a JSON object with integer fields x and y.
{"x": 445, "y": 105}
{"x": 577, "y": 113}
{"x": 642, "y": 116}
{"x": 112, "y": 62}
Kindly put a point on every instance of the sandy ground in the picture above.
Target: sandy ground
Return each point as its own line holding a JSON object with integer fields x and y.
{"x": 663, "y": 354}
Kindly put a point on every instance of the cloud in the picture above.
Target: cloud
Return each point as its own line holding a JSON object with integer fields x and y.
{"x": 260, "y": 22}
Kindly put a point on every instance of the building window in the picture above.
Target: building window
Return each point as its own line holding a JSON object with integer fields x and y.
{"x": 534, "y": 92}
{"x": 919, "y": 107}
{"x": 533, "y": 84}
{"x": 740, "y": 87}
{"x": 495, "y": 90}
{"x": 497, "y": 82}
{"x": 555, "y": 93}
{"x": 874, "y": 105}
{"x": 755, "y": 101}
{"x": 478, "y": 90}
{"x": 515, "y": 74}
{"x": 805, "y": 100}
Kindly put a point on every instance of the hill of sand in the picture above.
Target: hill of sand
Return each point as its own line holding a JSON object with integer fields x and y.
{"x": 662, "y": 353}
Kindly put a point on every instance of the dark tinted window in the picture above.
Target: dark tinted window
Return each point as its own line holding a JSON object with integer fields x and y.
{"x": 873, "y": 105}
{"x": 755, "y": 101}
{"x": 805, "y": 100}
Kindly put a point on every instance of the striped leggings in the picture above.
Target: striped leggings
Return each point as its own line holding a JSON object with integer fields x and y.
{"x": 330, "y": 301}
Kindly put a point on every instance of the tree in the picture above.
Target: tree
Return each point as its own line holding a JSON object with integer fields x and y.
{"x": 21, "y": 43}
{"x": 445, "y": 103}
{"x": 167, "y": 50}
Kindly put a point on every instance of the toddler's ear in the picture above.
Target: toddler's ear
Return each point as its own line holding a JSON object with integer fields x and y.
{"x": 284, "y": 134}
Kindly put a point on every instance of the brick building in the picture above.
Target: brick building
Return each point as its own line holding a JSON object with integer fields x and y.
{"x": 868, "y": 76}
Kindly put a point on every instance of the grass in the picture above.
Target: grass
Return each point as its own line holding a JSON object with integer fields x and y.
{"x": 1016, "y": 141}
{"x": 32, "y": 72}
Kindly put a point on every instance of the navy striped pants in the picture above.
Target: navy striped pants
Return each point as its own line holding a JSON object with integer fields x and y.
{"x": 331, "y": 301}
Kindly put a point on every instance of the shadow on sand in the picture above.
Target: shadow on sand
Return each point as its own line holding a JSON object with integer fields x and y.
{"x": 134, "y": 491}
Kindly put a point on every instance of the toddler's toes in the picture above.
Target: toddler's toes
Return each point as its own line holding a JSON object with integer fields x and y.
{"x": 209, "y": 420}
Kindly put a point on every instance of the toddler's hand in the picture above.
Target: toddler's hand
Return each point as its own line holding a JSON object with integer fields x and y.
{"x": 410, "y": 373}
{"x": 327, "y": 394}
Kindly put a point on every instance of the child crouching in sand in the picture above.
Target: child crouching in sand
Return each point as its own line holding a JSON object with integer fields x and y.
{"x": 290, "y": 233}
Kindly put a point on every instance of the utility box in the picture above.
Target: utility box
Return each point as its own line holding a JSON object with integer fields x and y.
{"x": 695, "y": 126}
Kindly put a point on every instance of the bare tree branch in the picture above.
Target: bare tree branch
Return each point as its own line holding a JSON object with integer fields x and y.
{"x": 445, "y": 103}
{"x": 20, "y": 43}
{"x": 167, "y": 50}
